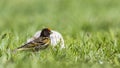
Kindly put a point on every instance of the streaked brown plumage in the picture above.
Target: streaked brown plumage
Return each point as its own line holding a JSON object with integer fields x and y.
{"x": 41, "y": 42}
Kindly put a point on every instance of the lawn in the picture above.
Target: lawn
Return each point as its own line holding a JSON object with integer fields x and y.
{"x": 91, "y": 30}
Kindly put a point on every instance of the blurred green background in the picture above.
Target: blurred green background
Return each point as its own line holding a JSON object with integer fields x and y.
{"x": 91, "y": 29}
{"x": 67, "y": 15}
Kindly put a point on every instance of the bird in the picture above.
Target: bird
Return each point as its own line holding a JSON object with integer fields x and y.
{"x": 39, "y": 43}
{"x": 42, "y": 39}
{"x": 56, "y": 38}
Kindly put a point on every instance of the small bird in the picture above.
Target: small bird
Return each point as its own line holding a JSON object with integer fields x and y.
{"x": 55, "y": 38}
{"x": 42, "y": 42}
{"x": 42, "y": 39}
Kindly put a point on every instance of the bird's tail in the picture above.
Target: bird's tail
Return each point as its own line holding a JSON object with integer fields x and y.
{"x": 22, "y": 48}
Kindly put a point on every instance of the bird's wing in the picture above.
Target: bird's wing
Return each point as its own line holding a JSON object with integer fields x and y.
{"x": 42, "y": 41}
{"x": 28, "y": 45}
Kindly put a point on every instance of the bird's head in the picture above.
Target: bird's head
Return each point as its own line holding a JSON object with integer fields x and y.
{"x": 45, "y": 32}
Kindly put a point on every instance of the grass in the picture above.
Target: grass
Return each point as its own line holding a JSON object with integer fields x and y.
{"x": 91, "y": 30}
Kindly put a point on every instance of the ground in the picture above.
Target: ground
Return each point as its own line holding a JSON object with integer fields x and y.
{"x": 91, "y": 30}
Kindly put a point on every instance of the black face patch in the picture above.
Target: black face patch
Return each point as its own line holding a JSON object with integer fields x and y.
{"x": 45, "y": 32}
